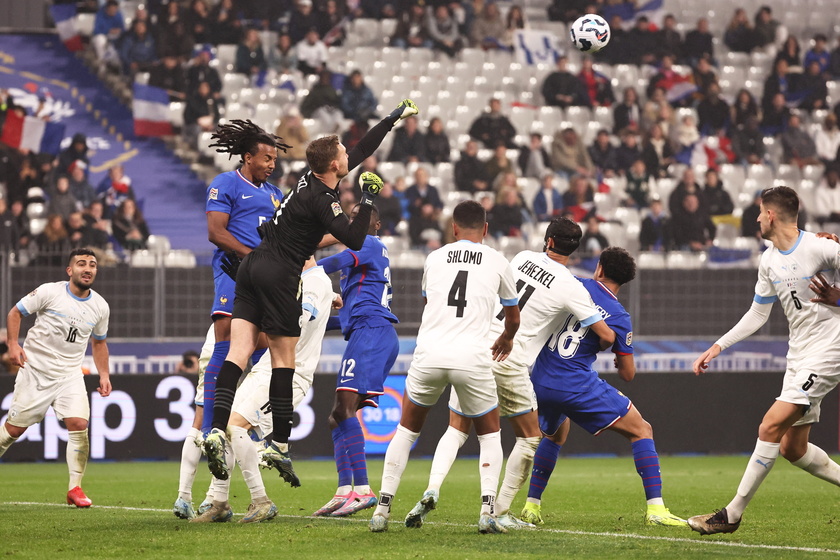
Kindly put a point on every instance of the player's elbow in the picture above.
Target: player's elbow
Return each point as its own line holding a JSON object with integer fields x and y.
{"x": 627, "y": 373}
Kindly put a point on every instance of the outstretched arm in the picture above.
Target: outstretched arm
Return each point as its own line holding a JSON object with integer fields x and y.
{"x": 752, "y": 320}
{"x": 371, "y": 141}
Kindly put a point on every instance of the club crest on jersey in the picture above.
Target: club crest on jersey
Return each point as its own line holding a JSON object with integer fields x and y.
{"x": 336, "y": 208}
{"x": 214, "y": 194}
{"x": 274, "y": 201}
{"x": 629, "y": 339}
{"x": 223, "y": 300}
{"x": 33, "y": 292}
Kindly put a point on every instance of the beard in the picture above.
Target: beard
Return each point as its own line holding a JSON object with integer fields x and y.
{"x": 82, "y": 283}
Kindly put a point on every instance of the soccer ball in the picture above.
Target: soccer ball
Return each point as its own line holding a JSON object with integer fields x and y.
{"x": 590, "y": 33}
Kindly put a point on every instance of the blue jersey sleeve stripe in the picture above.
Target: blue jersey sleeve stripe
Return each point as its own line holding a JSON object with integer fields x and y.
{"x": 591, "y": 320}
{"x": 509, "y": 302}
{"x": 26, "y": 313}
{"x": 100, "y": 337}
{"x": 765, "y": 299}
{"x": 424, "y": 293}
{"x": 311, "y": 308}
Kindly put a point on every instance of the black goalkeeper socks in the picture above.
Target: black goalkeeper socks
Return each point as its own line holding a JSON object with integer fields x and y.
{"x": 280, "y": 398}
{"x": 229, "y": 375}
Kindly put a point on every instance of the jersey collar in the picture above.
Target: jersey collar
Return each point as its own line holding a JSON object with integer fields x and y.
{"x": 246, "y": 180}
{"x": 607, "y": 289}
{"x": 795, "y": 245}
{"x": 74, "y": 296}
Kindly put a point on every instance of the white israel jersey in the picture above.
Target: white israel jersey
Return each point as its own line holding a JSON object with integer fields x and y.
{"x": 784, "y": 276}
{"x": 462, "y": 282}
{"x": 548, "y": 293}
{"x": 55, "y": 346}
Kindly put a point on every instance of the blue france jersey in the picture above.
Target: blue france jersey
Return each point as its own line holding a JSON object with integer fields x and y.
{"x": 365, "y": 284}
{"x": 247, "y": 205}
{"x": 565, "y": 362}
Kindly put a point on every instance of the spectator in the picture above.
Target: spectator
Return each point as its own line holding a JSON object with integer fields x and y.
{"x": 331, "y": 23}
{"x": 627, "y": 152}
{"x": 749, "y": 219}
{"x": 497, "y": 165}
{"x": 108, "y": 28}
{"x": 713, "y": 113}
{"x": 130, "y": 229}
{"x": 506, "y": 219}
{"x": 718, "y": 201}
{"x": 488, "y": 29}
{"x": 694, "y": 230}
{"x": 656, "y": 152}
{"x": 827, "y": 140}
{"x": 250, "y": 58}
{"x": 51, "y": 246}
{"x": 748, "y": 142}
{"x": 567, "y": 11}
{"x": 534, "y": 161}
{"x": 791, "y": 54}
{"x": 656, "y": 233}
{"x": 657, "y": 110}
{"x": 641, "y": 43}
{"x": 492, "y": 127}
{"x": 198, "y": 22}
{"x": 562, "y": 89}
{"x": 437, "y": 142}
{"x": 411, "y": 30}
{"x": 548, "y": 202}
{"x": 569, "y": 155}
{"x": 743, "y": 107}
{"x": 21, "y": 223}
{"x": 470, "y": 172}
{"x": 422, "y": 193}
{"x": 390, "y": 210}
{"x": 175, "y": 42}
{"x": 596, "y": 86}
{"x": 639, "y": 185}
{"x": 377, "y": 9}
{"x": 766, "y": 27}
{"x": 311, "y": 53}
{"x": 514, "y": 22}
{"x": 739, "y": 35}
{"x": 282, "y": 57}
{"x": 628, "y": 113}
{"x": 443, "y": 31}
{"x": 704, "y": 76}
{"x": 834, "y": 62}
{"x": 62, "y": 201}
{"x": 201, "y": 113}
{"x": 9, "y": 235}
{"x": 225, "y": 26}
{"x": 668, "y": 79}
{"x": 76, "y": 151}
{"x": 82, "y": 234}
{"x": 302, "y": 20}
{"x": 137, "y": 50}
{"x": 188, "y": 363}
{"x": 593, "y": 241}
{"x": 811, "y": 88}
{"x": 169, "y": 75}
{"x": 293, "y": 132}
{"x": 779, "y": 81}
{"x": 357, "y": 99}
{"x": 323, "y": 103}
{"x": 798, "y": 148}
{"x": 698, "y": 43}
{"x": 201, "y": 71}
{"x": 603, "y": 155}
{"x": 669, "y": 39}
{"x": 775, "y": 118}
{"x": 687, "y": 186}
{"x": 578, "y": 201}
{"x": 114, "y": 189}
{"x": 82, "y": 190}
{"x": 827, "y": 197}
{"x": 424, "y": 228}
{"x": 818, "y": 53}
{"x": 618, "y": 53}
{"x": 409, "y": 143}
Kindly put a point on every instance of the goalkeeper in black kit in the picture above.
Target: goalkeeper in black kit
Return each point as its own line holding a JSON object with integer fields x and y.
{"x": 268, "y": 280}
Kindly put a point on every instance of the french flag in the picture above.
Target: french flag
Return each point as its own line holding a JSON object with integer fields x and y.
{"x": 64, "y": 16}
{"x": 33, "y": 134}
{"x": 151, "y": 111}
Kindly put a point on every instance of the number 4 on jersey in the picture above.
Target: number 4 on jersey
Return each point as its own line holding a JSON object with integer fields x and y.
{"x": 458, "y": 293}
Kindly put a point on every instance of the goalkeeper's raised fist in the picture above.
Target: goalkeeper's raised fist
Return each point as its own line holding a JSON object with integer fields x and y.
{"x": 405, "y": 109}
{"x": 371, "y": 185}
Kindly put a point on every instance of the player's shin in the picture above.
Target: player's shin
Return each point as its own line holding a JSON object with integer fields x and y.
{"x": 342, "y": 464}
{"x": 647, "y": 465}
{"x": 518, "y": 468}
{"x": 762, "y": 460}
{"x": 396, "y": 458}
{"x": 190, "y": 455}
{"x": 354, "y": 443}
{"x": 6, "y": 440}
{"x": 818, "y": 463}
{"x": 78, "y": 449}
{"x": 545, "y": 459}
{"x": 489, "y": 468}
{"x": 226, "y": 383}
{"x": 280, "y": 394}
{"x": 211, "y": 374}
{"x": 221, "y": 488}
{"x": 246, "y": 456}
{"x": 445, "y": 454}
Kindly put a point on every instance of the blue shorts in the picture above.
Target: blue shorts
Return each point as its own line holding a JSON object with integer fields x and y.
{"x": 367, "y": 360}
{"x": 594, "y": 411}
{"x": 225, "y": 290}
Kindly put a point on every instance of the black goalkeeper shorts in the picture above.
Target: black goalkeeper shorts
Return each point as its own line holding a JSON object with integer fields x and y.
{"x": 268, "y": 294}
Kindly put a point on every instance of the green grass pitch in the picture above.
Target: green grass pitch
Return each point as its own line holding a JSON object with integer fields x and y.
{"x": 593, "y": 508}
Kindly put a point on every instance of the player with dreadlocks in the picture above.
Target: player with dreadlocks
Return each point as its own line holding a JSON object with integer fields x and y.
{"x": 268, "y": 281}
{"x": 237, "y": 203}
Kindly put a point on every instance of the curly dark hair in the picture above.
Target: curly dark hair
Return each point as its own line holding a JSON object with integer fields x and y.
{"x": 618, "y": 265}
{"x": 239, "y": 137}
{"x": 566, "y": 235}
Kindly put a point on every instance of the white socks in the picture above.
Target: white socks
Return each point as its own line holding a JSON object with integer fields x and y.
{"x": 246, "y": 456}
{"x": 761, "y": 461}
{"x": 190, "y": 456}
{"x": 6, "y": 440}
{"x": 221, "y": 488}
{"x": 818, "y": 463}
{"x": 396, "y": 458}
{"x": 517, "y": 470}
{"x": 445, "y": 454}
{"x": 489, "y": 467}
{"x": 78, "y": 449}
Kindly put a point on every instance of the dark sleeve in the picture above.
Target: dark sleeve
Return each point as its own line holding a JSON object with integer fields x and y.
{"x": 333, "y": 323}
{"x": 350, "y": 233}
{"x": 369, "y": 142}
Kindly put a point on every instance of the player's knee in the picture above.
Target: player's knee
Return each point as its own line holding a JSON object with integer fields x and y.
{"x": 14, "y": 431}
{"x": 793, "y": 450}
{"x": 76, "y": 424}
{"x": 646, "y": 430}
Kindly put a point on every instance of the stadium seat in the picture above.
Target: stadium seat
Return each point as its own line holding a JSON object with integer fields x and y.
{"x": 732, "y": 176}
{"x": 143, "y": 259}
{"x": 179, "y": 258}
{"x": 395, "y": 244}
{"x": 788, "y": 175}
{"x": 84, "y": 24}
{"x": 761, "y": 173}
{"x": 813, "y": 172}
{"x": 141, "y": 78}
{"x": 510, "y": 246}
{"x": 685, "y": 259}
{"x": 267, "y": 116}
{"x": 176, "y": 113}
{"x": 158, "y": 244}
{"x": 648, "y": 259}
{"x": 233, "y": 82}
{"x": 226, "y": 55}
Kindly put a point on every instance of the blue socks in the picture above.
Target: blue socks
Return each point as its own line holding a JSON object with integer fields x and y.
{"x": 354, "y": 445}
{"x": 342, "y": 464}
{"x": 211, "y": 373}
{"x": 544, "y": 461}
{"x": 647, "y": 465}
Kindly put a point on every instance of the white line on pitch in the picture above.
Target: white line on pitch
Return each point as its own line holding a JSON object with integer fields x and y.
{"x": 541, "y": 530}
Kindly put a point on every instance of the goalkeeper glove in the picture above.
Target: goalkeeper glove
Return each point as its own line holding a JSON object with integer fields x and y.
{"x": 405, "y": 109}
{"x": 371, "y": 184}
{"x": 230, "y": 264}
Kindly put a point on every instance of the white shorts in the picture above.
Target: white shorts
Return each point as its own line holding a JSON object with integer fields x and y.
{"x": 251, "y": 399}
{"x": 808, "y": 385}
{"x": 513, "y": 388}
{"x": 476, "y": 390}
{"x": 35, "y": 393}
{"x": 199, "y": 390}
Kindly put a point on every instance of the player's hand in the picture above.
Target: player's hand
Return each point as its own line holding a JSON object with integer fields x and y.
{"x": 501, "y": 348}
{"x": 701, "y": 363}
{"x": 230, "y": 264}
{"x": 826, "y": 293}
{"x": 337, "y": 302}
{"x": 405, "y": 109}
{"x": 371, "y": 185}
{"x": 16, "y": 355}
{"x": 104, "y": 388}
{"x": 826, "y": 235}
